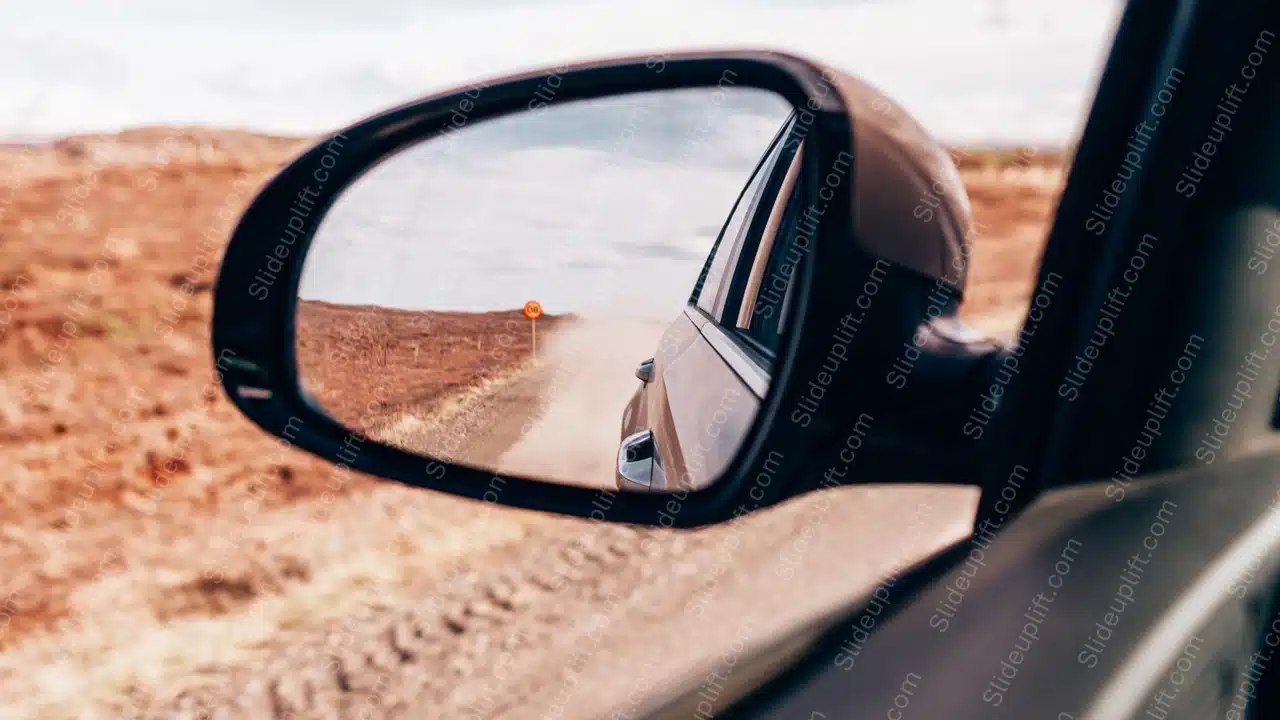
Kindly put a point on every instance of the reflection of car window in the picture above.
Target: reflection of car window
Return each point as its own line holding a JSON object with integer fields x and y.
{"x": 766, "y": 325}
{"x": 729, "y": 300}
{"x": 707, "y": 289}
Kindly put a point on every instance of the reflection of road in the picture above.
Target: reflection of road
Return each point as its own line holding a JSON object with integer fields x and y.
{"x": 475, "y": 426}
{"x": 591, "y": 377}
{"x": 558, "y": 418}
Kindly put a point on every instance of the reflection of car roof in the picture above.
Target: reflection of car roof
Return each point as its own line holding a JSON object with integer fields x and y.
{"x": 911, "y": 207}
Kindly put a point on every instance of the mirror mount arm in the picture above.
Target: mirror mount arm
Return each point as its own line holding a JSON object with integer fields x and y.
{"x": 937, "y": 435}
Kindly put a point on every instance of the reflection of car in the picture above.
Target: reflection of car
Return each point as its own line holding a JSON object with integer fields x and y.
{"x": 700, "y": 391}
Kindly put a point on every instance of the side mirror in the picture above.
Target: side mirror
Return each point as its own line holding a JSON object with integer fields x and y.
{"x": 639, "y": 465}
{"x": 446, "y": 294}
{"x": 644, "y": 372}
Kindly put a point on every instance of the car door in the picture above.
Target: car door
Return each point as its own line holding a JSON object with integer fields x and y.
{"x": 712, "y": 369}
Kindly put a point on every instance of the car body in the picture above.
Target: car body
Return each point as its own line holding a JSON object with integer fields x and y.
{"x": 702, "y": 388}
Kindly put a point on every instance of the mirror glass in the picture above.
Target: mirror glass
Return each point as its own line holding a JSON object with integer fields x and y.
{"x": 588, "y": 293}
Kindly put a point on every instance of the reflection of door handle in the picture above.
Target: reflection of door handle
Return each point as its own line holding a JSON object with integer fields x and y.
{"x": 639, "y": 467}
{"x": 645, "y": 371}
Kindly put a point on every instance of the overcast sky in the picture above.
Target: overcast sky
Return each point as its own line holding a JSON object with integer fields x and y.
{"x": 970, "y": 69}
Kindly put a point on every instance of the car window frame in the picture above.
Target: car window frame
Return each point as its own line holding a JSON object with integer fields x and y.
{"x": 760, "y": 357}
{"x": 793, "y": 184}
{"x": 730, "y": 270}
{"x": 729, "y": 300}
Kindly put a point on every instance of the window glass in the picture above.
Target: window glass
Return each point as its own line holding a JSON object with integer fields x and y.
{"x": 709, "y": 284}
{"x": 765, "y": 325}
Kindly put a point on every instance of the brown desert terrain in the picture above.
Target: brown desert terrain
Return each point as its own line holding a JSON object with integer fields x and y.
{"x": 456, "y": 385}
{"x": 163, "y": 558}
{"x": 419, "y": 357}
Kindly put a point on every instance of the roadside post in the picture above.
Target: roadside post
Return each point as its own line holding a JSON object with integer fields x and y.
{"x": 533, "y": 310}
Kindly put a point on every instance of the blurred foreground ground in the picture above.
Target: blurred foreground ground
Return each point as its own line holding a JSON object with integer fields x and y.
{"x": 161, "y": 557}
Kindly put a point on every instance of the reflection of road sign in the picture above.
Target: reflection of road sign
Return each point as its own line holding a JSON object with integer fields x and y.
{"x": 533, "y": 310}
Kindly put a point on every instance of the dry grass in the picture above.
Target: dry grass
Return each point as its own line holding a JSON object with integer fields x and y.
{"x": 420, "y": 357}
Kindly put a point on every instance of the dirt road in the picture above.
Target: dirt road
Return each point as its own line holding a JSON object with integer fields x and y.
{"x": 555, "y": 416}
{"x": 575, "y": 438}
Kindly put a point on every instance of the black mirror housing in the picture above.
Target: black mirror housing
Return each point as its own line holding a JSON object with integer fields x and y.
{"x": 255, "y": 296}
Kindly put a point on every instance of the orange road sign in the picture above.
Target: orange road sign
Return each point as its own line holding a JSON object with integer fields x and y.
{"x": 533, "y": 309}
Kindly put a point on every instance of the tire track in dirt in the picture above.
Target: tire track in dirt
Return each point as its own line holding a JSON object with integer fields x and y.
{"x": 476, "y": 427}
{"x": 577, "y": 620}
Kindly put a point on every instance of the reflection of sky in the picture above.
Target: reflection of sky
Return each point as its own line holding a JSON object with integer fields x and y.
{"x": 607, "y": 205}
{"x": 970, "y": 69}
